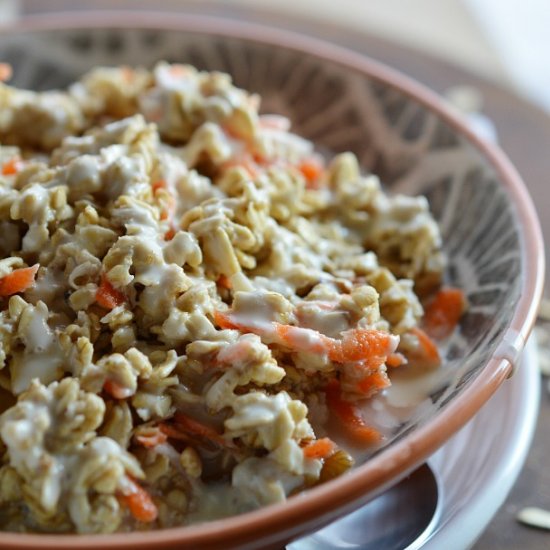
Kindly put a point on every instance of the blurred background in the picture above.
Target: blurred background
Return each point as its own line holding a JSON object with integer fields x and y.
{"x": 488, "y": 57}
{"x": 481, "y": 54}
{"x": 504, "y": 40}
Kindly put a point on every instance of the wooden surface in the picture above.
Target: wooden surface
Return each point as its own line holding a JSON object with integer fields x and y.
{"x": 531, "y": 489}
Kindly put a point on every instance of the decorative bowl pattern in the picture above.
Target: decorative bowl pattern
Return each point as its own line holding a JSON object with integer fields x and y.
{"x": 398, "y": 130}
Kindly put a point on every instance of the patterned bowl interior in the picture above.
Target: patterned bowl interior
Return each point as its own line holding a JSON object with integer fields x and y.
{"x": 339, "y": 108}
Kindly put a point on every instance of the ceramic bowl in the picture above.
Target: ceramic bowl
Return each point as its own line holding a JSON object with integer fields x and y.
{"x": 399, "y": 130}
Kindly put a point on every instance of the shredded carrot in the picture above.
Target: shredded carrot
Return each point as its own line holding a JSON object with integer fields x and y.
{"x": 12, "y": 166}
{"x": 194, "y": 427}
{"x": 149, "y": 441}
{"x": 237, "y": 352}
{"x": 355, "y": 345}
{"x": 320, "y": 448}
{"x": 173, "y": 432}
{"x": 5, "y": 72}
{"x": 18, "y": 280}
{"x": 224, "y": 281}
{"x": 303, "y": 339}
{"x": 107, "y": 295}
{"x": 260, "y": 159}
{"x": 428, "y": 353}
{"x": 140, "y": 504}
{"x": 366, "y": 345}
{"x": 395, "y": 360}
{"x": 170, "y": 209}
{"x": 116, "y": 390}
{"x": 361, "y": 344}
{"x": 443, "y": 313}
{"x": 224, "y": 321}
{"x": 350, "y": 417}
{"x": 373, "y": 383}
{"x": 159, "y": 184}
{"x": 169, "y": 235}
{"x": 312, "y": 169}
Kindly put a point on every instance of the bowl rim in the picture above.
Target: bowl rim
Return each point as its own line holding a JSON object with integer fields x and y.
{"x": 319, "y": 505}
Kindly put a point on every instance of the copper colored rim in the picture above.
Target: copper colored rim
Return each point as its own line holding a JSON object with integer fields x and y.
{"x": 306, "y": 512}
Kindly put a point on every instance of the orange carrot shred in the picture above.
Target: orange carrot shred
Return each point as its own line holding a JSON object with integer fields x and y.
{"x": 350, "y": 417}
{"x": 169, "y": 235}
{"x": 12, "y": 166}
{"x": 5, "y": 72}
{"x": 152, "y": 440}
{"x": 107, "y": 295}
{"x": 312, "y": 169}
{"x": 224, "y": 321}
{"x": 290, "y": 336}
{"x": 224, "y": 281}
{"x": 360, "y": 344}
{"x": 395, "y": 360}
{"x": 443, "y": 313}
{"x": 170, "y": 209}
{"x": 197, "y": 428}
{"x": 173, "y": 432}
{"x": 321, "y": 448}
{"x": 233, "y": 353}
{"x": 18, "y": 280}
{"x": 140, "y": 504}
{"x": 159, "y": 184}
{"x": 116, "y": 390}
{"x": 366, "y": 345}
{"x": 373, "y": 383}
{"x": 428, "y": 352}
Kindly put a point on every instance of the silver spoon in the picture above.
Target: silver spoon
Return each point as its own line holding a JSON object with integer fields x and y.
{"x": 401, "y": 518}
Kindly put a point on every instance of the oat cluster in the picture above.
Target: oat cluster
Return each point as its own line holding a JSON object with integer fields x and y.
{"x": 181, "y": 278}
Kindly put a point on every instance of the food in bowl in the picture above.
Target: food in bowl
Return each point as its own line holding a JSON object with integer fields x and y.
{"x": 196, "y": 303}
